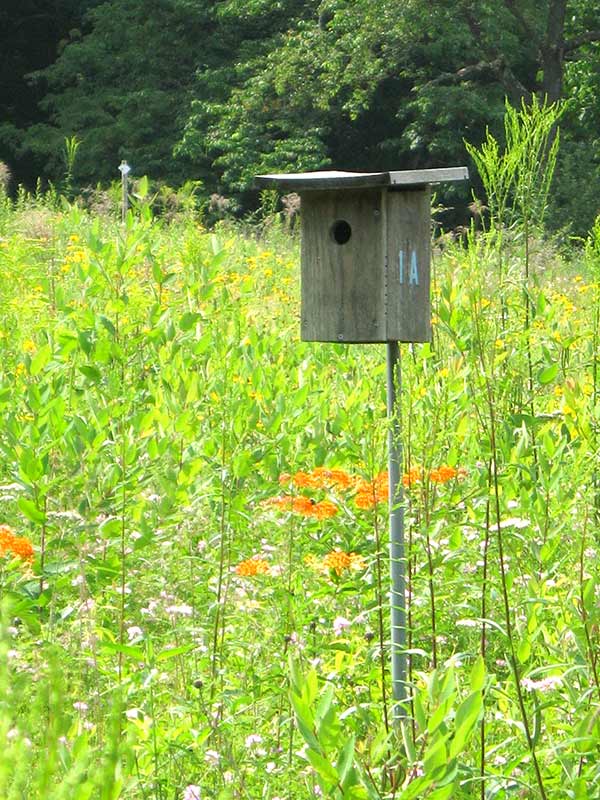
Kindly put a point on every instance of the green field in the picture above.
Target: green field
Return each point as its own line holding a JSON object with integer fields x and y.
{"x": 193, "y": 521}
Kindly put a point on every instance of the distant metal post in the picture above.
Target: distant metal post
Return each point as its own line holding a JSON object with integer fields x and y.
{"x": 125, "y": 169}
{"x": 397, "y": 561}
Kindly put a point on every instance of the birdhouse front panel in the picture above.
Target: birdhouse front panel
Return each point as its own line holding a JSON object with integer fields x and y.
{"x": 343, "y": 266}
{"x": 408, "y": 258}
{"x": 365, "y": 252}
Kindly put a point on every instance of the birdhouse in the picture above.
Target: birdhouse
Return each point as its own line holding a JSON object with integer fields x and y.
{"x": 365, "y": 265}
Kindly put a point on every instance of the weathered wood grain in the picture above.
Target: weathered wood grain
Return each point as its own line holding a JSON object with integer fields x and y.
{"x": 335, "y": 179}
{"x": 343, "y": 285}
{"x": 408, "y": 257}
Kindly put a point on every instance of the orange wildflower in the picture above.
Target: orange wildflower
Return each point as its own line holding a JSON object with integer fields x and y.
{"x": 305, "y": 506}
{"x": 17, "y": 545}
{"x": 332, "y": 478}
{"x": 370, "y": 493}
{"x": 6, "y": 538}
{"x": 413, "y": 475}
{"x": 324, "y": 510}
{"x": 22, "y": 547}
{"x": 252, "y": 566}
{"x": 320, "y": 478}
{"x": 444, "y": 474}
{"x": 339, "y": 561}
{"x": 303, "y": 480}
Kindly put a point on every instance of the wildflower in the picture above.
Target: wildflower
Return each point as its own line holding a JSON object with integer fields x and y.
{"x": 251, "y": 567}
{"x": 80, "y": 706}
{"x": 133, "y": 632}
{"x": 543, "y": 685}
{"x": 443, "y": 474}
{"x": 413, "y": 475}
{"x": 191, "y": 792}
{"x": 324, "y": 510}
{"x": 17, "y": 545}
{"x": 339, "y": 561}
{"x": 182, "y": 610}
{"x": 212, "y": 757}
{"x": 6, "y": 537}
{"x": 304, "y": 480}
{"x": 370, "y": 493}
{"x": 252, "y": 739}
{"x": 305, "y": 506}
{"x": 340, "y": 624}
{"x": 29, "y": 346}
{"x": 323, "y": 477}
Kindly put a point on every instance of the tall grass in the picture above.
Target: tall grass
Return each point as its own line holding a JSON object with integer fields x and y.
{"x": 205, "y": 607}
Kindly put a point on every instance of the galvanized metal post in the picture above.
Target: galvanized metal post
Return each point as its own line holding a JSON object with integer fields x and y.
{"x": 397, "y": 560}
{"x": 124, "y": 169}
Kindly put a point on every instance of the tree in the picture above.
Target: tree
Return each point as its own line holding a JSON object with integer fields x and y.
{"x": 32, "y": 34}
{"x": 122, "y": 88}
{"x": 375, "y": 84}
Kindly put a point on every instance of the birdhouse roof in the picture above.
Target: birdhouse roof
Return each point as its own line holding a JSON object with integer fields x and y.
{"x": 334, "y": 179}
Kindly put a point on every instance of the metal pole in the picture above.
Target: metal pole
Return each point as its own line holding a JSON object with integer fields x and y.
{"x": 124, "y": 169}
{"x": 397, "y": 561}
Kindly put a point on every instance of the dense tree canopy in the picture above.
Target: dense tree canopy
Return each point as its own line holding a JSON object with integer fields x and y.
{"x": 222, "y": 90}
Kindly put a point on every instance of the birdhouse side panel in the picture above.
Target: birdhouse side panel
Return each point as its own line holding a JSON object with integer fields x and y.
{"x": 343, "y": 272}
{"x": 408, "y": 315}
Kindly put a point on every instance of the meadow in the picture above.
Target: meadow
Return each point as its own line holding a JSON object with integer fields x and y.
{"x": 193, "y": 520}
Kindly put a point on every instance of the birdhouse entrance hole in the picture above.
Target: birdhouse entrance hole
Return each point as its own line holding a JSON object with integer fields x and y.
{"x": 341, "y": 231}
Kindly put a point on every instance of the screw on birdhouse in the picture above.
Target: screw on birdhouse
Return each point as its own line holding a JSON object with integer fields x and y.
{"x": 124, "y": 169}
{"x": 365, "y": 269}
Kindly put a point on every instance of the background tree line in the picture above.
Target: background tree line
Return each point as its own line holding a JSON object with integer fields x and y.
{"x": 218, "y": 91}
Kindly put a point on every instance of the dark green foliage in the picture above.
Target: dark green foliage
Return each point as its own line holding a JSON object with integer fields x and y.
{"x": 220, "y": 91}
{"x": 122, "y": 89}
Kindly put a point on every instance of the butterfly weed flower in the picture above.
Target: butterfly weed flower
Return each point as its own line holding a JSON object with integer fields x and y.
{"x": 252, "y": 566}
{"x": 15, "y": 545}
{"x": 369, "y": 493}
{"x": 338, "y": 561}
{"x": 414, "y": 475}
{"x": 304, "y": 506}
{"x": 442, "y": 474}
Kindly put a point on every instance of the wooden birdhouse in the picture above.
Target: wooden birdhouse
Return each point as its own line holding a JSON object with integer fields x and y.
{"x": 365, "y": 252}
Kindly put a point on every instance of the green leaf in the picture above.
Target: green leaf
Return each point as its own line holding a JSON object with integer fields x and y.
{"x": 436, "y": 757}
{"x": 324, "y": 704}
{"x": 164, "y": 655}
{"x": 188, "y": 320}
{"x": 322, "y": 767}
{"x": 39, "y": 361}
{"x": 548, "y": 374}
{"x": 346, "y": 759}
{"x": 478, "y": 674}
{"x": 443, "y": 793}
{"x": 589, "y": 595}
{"x": 304, "y": 721}
{"x": 136, "y": 653}
{"x": 106, "y": 323}
{"x": 311, "y": 686}
{"x": 466, "y": 718}
{"x": 524, "y": 650}
{"x": 90, "y": 372}
{"x": 30, "y": 510}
